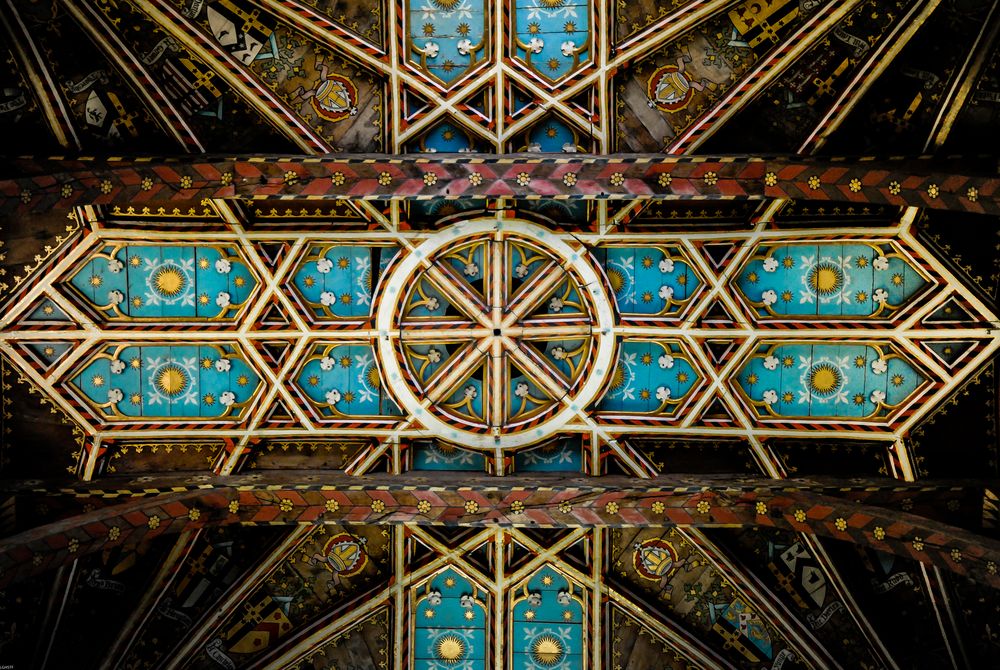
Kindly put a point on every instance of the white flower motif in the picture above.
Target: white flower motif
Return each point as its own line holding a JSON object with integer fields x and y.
{"x": 536, "y": 45}
{"x": 222, "y": 300}
{"x": 568, "y": 48}
{"x": 769, "y": 297}
{"x": 326, "y": 298}
{"x": 115, "y": 395}
{"x": 117, "y": 366}
{"x": 223, "y": 365}
{"x": 879, "y": 366}
{"x": 332, "y": 397}
{"x": 326, "y": 363}
{"x": 116, "y": 297}
{"x": 470, "y": 392}
{"x": 559, "y": 354}
{"x": 534, "y": 148}
{"x": 324, "y": 265}
{"x": 471, "y": 270}
{"x": 880, "y": 263}
{"x": 662, "y": 393}
{"x": 115, "y": 266}
{"x": 770, "y": 264}
{"x": 521, "y": 271}
{"x": 569, "y": 148}
{"x": 433, "y": 355}
{"x": 771, "y": 363}
{"x": 666, "y": 361}
{"x": 878, "y": 396}
{"x": 666, "y": 292}
{"x": 431, "y": 49}
{"x": 667, "y": 265}
{"x": 880, "y": 296}
{"x": 222, "y": 266}
{"x": 432, "y": 303}
{"x": 464, "y": 47}
{"x": 521, "y": 391}
{"x": 770, "y": 397}
{"x": 556, "y": 304}
{"x": 227, "y": 398}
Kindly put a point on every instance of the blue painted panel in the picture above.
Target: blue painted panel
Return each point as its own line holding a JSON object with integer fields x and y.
{"x": 47, "y": 311}
{"x": 827, "y": 380}
{"x": 440, "y": 456}
{"x": 829, "y": 280}
{"x": 552, "y": 136}
{"x": 445, "y": 138}
{"x": 165, "y": 282}
{"x": 343, "y": 380}
{"x": 337, "y": 280}
{"x": 467, "y": 400}
{"x": 178, "y": 381}
{"x": 524, "y": 396}
{"x": 427, "y": 301}
{"x": 552, "y": 35}
{"x": 547, "y": 623}
{"x": 649, "y": 377}
{"x": 648, "y": 280}
{"x": 447, "y": 632}
{"x": 563, "y": 455}
{"x": 49, "y": 352}
{"x": 450, "y": 33}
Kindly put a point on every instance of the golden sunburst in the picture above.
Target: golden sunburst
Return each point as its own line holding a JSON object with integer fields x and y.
{"x": 824, "y": 379}
{"x": 450, "y": 649}
{"x": 169, "y": 281}
{"x": 616, "y": 279}
{"x": 618, "y": 378}
{"x": 551, "y": 4}
{"x": 373, "y": 379}
{"x": 826, "y": 279}
{"x": 446, "y": 4}
{"x": 547, "y": 650}
{"x": 171, "y": 380}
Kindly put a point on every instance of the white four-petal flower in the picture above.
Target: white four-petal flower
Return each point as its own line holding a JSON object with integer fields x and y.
{"x": 666, "y": 265}
{"x": 332, "y": 397}
{"x": 115, "y": 266}
{"x": 117, "y": 366}
{"x": 223, "y": 299}
{"x": 880, "y": 263}
{"x": 878, "y": 395}
{"x": 227, "y": 398}
{"x": 223, "y": 266}
{"x": 223, "y": 365}
{"x": 879, "y": 366}
{"x": 666, "y": 361}
{"x": 535, "y": 45}
{"x": 769, "y": 297}
{"x": 770, "y": 264}
{"x": 115, "y": 395}
{"x": 662, "y": 393}
{"x": 568, "y": 48}
{"x": 326, "y": 363}
{"x": 324, "y": 265}
{"x": 770, "y": 397}
{"x": 771, "y": 363}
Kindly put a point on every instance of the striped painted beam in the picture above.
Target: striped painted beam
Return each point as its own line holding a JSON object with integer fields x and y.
{"x": 39, "y": 184}
{"x": 862, "y": 512}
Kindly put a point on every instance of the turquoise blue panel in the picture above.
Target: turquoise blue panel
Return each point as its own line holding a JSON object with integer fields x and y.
{"x": 648, "y": 374}
{"x": 445, "y": 138}
{"x": 166, "y": 282}
{"x": 562, "y": 455}
{"x": 522, "y": 263}
{"x": 427, "y": 301}
{"x": 337, "y": 281}
{"x": 47, "y": 311}
{"x": 564, "y": 301}
{"x": 435, "y": 456}
{"x": 548, "y": 632}
{"x": 176, "y": 381}
{"x": 524, "y": 396}
{"x": 566, "y": 356}
{"x": 49, "y": 352}
{"x": 344, "y": 380}
{"x": 426, "y": 359}
{"x": 441, "y": 622}
{"x": 551, "y": 136}
{"x": 554, "y": 32}
{"x": 450, "y": 33}
{"x": 828, "y": 280}
{"x": 648, "y": 280}
{"x": 467, "y": 398}
{"x": 468, "y": 264}
{"x": 826, "y": 380}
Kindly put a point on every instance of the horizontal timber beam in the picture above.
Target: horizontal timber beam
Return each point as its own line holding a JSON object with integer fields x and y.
{"x": 847, "y": 510}
{"x": 40, "y": 184}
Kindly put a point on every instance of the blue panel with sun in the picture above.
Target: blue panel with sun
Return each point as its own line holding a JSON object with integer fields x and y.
{"x": 651, "y": 377}
{"x": 830, "y": 380}
{"x": 445, "y": 137}
{"x": 443, "y": 456}
{"x": 648, "y": 280}
{"x": 829, "y": 280}
{"x": 46, "y": 312}
{"x": 343, "y": 380}
{"x": 165, "y": 282}
{"x": 552, "y": 136}
{"x": 547, "y": 629}
{"x": 553, "y": 36}
{"x": 48, "y": 352}
{"x": 560, "y": 455}
{"x": 167, "y": 381}
{"x": 450, "y": 623}
{"x": 447, "y": 37}
{"x": 336, "y": 281}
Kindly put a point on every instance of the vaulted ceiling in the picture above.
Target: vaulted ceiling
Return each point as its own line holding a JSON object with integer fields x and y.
{"x": 519, "y": 335}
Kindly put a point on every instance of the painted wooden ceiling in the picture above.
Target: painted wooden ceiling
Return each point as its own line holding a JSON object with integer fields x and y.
{"x": 192, "y": 385}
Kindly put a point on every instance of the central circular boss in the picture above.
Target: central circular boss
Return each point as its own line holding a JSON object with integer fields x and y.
{"x": 495, "y": 334}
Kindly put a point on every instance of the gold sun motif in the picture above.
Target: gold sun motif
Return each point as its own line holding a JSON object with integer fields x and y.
{"x": 450, "y": 649}
{"x": 824, "y": 379}
{"x": 826, "y": 279}
{"x": 171, "y": 380}
{"x": 547, "y": 650}
{"x": 373, "y": 379}
{"x": 449, "y": 582}
{"x": 96, "y": 280}
{"x": 169, "y": 281}
{"x": 551, "y": 4}
{"x": 616, "y": 280}
{"x": 446, "y": 4}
